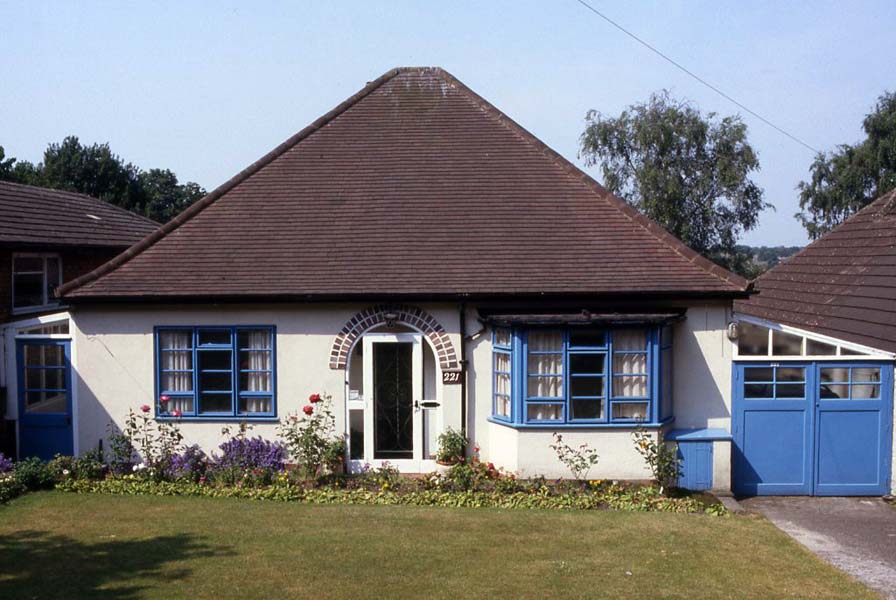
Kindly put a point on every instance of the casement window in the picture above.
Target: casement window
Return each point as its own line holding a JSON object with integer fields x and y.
{"x": 582, "y": 376}
{"x": 35, "y": 278}
{"x": 215, "y": 372}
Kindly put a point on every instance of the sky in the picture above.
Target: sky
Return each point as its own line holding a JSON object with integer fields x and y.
{"x": 205, "y": 89}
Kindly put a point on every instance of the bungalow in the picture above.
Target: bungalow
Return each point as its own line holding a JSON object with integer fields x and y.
{"x": 813, "y": 371}
{"x": 429, "y": 263}
{"x": 47, "y": 237}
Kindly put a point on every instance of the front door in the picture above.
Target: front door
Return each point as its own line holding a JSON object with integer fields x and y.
{"x": 393, "y": 369}
{"x": 45, "y": 400}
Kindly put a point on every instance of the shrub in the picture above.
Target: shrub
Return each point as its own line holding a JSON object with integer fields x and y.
{"x": 662, "y": 460}
{"x": 452, "y": 447}
{"x": 246, "y": 460}
{"x": 6, "y": 464}
{"x": 33, "y": 474}
{"x": 189, "y": 465}
{"x": 157, "y": 442}
{"x": 9, "y": 487}
{"x": 122, "y": 451}
{"x": 579, "y": 460}
{"x": 312, "y": 440}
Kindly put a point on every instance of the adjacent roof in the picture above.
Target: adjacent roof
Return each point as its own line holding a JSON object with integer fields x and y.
{"x": 43, "y": 217}
{"x": 842, "y": 285}
{"x": 413, "y": 186}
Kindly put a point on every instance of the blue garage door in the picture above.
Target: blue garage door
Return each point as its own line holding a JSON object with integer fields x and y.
{"x": 812, "y": 428}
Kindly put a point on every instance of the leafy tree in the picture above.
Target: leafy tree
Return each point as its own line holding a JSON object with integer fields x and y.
{"x": 96, "y": 171}
{"x": 688, "y": 171}
{"x": 846, "y": 180}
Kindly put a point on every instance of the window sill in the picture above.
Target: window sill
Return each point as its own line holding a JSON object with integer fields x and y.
{"x": 543, "y": 426}
{"x": 218, "y": 419}
{"x": 27, "y": 310}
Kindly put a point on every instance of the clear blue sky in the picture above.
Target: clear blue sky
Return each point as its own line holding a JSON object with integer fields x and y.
{"x": 205, "y": 91}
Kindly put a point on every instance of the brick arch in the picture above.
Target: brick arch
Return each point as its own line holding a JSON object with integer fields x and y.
{"x": 412, "y": 316}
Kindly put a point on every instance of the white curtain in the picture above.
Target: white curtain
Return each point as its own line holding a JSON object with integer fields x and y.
{"x": 177, "y": 355}
{"x": 544, "y": 412}
{"x": 257, "y": 357}
{"x": 502, "y": 384}
{"x": 545, "y": 387}
{"x": 629, "y": 340}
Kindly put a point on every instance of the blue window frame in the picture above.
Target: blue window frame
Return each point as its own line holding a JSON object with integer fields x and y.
{"x": 215, "y": 372}
{"x": 582, "y": 376}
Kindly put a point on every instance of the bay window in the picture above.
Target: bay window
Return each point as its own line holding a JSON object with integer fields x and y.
{"x": 215, "y": 372}
{"x": 580, "y": 376}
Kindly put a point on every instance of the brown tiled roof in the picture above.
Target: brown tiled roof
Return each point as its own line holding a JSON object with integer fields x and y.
{"x": 842, "y": 285}
{"x": 43, "y": 217}
{"x": 413, "y": 186}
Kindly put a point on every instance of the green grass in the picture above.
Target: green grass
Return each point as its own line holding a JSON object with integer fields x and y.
{"x": 63, "y": 545}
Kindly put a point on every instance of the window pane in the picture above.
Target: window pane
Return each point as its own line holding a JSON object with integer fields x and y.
{"x": 502, "y": 406}
{"x": 255, "y": 382}
{"x": 40, "y": 355}
{"x": 177, "y": 382}
{"x": 586, "y": 386}
{"x": 786, "y": 344}
{"x": 791, "y": 390}
{"x": 759, "y": 390}
{"x": 175, "y": 340}
{"x": 53, "y": 277}
{"x": 837, "y": 374}
{"x": 832, "y": 391}
{"x": 215, "y": 360}
{"x": 791, "y": 374}
{"x": 220, "y": 403}
{"x": 548, "y": 364}
{"x": 184, "y": 404}
{"x": 255, "y": 404}
{"x": 214, "y": 382}
{"x": 816, "y": 348}
{"x": 630, "y": 339}
{"x": 545, "y": 341}
{"x": 28, "y": 264}
{"x": 44, "y": 379}
{"x": 502, "y": 337}
{"x": 214, "y": 336}
{"x": 629, "y": 363}
{"x": 587, "y": 338}
{"x": 866, "y": 374}
{"x": 544, "y": 412}
{"x": 587, "y": 363}
{"x": 502, "y": 384}
{"x": 46, "y": 402}
{"x": 254, "y": 339}
{"x": 545, "y": 387}
{"x": 28, "y": 290}
{"x": 866, "y": 391}
{"x": 587, "y": 409}
{"x": 630, "y": 410}
{"x": 752, "y": 340}
{"x": 630, "y": 385}
{"x": 759, "y": 374}
{"x": 851, "y": 352}
{"x": 502, "y": 362}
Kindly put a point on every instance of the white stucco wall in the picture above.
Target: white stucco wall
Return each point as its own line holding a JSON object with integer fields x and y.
{"x": 115, "y": 364}
{"x": 702, "y": 397}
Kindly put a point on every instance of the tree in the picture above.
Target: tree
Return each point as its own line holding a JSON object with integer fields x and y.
{"x": 96, "y": 171}
{"x": 846, "y": 180}
{"x": 685, "y": 170}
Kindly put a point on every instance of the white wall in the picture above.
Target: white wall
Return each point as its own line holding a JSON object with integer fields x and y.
{"x": 115, "y": 365}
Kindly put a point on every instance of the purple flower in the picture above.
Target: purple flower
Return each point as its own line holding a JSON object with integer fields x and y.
{"x": 6, "y": 464}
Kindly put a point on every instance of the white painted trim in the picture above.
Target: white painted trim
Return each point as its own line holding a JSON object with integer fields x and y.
{"x": 869, "y": 352}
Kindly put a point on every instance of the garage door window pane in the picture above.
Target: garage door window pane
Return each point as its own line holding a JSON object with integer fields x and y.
{"x": 866, "y": 391}
{"x": 791, "y": 374}
{"x": 759, "y": 374}
{"x": 835, "y": 374}
{"x": 863, "y": 374}
{"x": 790, "y": 390}
{"x": 759, "y": 390}
{"x": 834, "y": 391}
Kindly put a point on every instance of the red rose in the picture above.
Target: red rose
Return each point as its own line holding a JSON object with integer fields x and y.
{"x": 308, "y": 409}
{"x": 145, "y": 408}
{"x": 491, "y": 466}
{"x": 314, "y": 398}
{"x": 164, "y": 399}
{"x": 176, "y": 413}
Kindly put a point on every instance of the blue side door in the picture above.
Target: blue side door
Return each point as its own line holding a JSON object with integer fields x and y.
{"x": 45, "y": 399}
{"x": 773, "y": 429}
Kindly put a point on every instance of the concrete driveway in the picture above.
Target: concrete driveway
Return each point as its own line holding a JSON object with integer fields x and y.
{"x": 857, "y": 535}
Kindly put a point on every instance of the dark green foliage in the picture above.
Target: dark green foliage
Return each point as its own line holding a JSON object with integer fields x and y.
{"x": 687, "y": 171}
{"x": 33, "y": 474}
{"x": 852, "y": 176}
{"x": 96, "y": 171}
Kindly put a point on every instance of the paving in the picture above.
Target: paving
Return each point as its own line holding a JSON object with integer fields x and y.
{"x": 856, "y": 535}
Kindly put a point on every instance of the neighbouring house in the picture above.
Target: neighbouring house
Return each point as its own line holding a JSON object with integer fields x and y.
{"x": 429, "y": 263}
{"x": 813, "y": 371}
{"x": 47, "y": 237}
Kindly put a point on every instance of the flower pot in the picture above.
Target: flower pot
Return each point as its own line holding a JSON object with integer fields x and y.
{"x": 442, "y": 468}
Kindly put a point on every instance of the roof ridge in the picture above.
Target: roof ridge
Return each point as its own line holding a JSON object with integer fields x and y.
{"x": 653, "y": 228}
{"x": 56, "y": 191}
{"x": 210, "y": 198}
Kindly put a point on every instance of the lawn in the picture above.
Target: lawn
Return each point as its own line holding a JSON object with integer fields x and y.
{"x": 63, "y": 545}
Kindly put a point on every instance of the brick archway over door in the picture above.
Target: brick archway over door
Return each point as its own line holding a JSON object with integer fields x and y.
{"x": 412, "y": 316}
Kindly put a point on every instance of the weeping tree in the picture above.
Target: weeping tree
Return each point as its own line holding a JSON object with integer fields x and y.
{"x": 686, "y": 170}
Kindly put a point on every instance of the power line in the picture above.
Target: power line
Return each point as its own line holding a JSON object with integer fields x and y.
{"x": 694, "y": 75}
